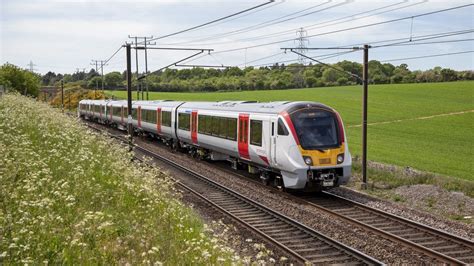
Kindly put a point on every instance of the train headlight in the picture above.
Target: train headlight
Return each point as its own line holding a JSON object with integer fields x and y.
{"x": 340, "y": 158}
{"x": 308, "y": 160}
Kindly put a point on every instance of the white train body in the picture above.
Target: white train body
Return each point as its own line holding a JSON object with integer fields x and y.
{"x": 302, "y": 143}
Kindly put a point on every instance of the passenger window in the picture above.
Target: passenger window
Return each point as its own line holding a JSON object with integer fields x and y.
{"x": 166, "y": 118}
{"x": 184, "y": 121}
{"x": 282, "y": 131}
{"x": 232, "y": 129}
{"x": 256, "y": 132}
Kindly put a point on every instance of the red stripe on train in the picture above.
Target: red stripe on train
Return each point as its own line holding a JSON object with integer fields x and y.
{"x": 287, "y": 118}
{"x": 194, "y": 136}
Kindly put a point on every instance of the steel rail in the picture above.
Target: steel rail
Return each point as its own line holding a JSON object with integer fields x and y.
{"x": 431, "y": 252}
{"x": 463, "y": 243}
{"x": 256, "y": 216}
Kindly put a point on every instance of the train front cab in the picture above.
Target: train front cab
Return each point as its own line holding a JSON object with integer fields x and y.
{"x": 310, "y": 148}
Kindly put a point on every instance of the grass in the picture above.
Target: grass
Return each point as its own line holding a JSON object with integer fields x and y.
{"x": 68, "y": 196}
{"x": 441, "y": 145}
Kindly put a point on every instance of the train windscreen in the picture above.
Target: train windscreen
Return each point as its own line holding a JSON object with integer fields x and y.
{"x": 316, "y": 128}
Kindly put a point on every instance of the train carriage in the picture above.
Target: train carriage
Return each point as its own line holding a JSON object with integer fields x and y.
{"x": 297, "y": 145}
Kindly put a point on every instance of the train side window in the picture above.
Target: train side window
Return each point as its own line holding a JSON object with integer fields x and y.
{"x": 232, "y": 129}
{"x": 150, "y": 116}
{"x": 201, "y": 124}
{"x": 184, "y": 121}
{"x": 256, "y": 132}
{"x": 166, "y": 118}
{"x": 214, "y": 125}
{"x": 144, "y": 115}
{"x": 282, "y": 131}
{"x": 222, "y": 127}
{"x": 206, "y": 124}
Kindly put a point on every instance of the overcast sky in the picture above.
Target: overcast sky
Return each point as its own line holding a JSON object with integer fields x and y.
{"x": 63, "y": 35}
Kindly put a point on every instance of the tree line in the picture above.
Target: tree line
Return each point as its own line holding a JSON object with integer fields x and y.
{"x": 277, "y": 76}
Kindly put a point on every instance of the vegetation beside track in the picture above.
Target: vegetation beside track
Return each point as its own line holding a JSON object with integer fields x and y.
{"x": 411, "y": 137}
{"x": 68, "y": 196}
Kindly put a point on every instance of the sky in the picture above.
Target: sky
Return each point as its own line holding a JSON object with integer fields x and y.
{"x": 64, "y": 36}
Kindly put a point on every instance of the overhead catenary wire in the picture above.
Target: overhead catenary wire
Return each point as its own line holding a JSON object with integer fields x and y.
{"x": 320, "y": 57}
{"x": 435, "y": 42}
{"x": 426, "y": 56}
{"x": 274, "y": 21}
{"x": 211, "y": 22}
{"x": 118, "y": 50}
{"x": 319, "y": 25}
{"x": 347, "y": 29}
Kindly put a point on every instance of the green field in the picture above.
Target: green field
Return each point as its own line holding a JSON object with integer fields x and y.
{"x": 441, "y": 144}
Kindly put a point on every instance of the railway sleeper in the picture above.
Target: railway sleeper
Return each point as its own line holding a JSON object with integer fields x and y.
{"x": 241, "y": 209}
{"x": 446, "y": 248}
{"x": 430, "y": 242}
{"x": 260, "y": 219}
{"x": 411, "y": 235}
{"x": 273, "y": 226}
{"x": 264, "y": 225}
{"x": 269, "y": 219}
{"x": 361, "y": 216}
{"x": 400, "y": 231}
{"x": 332, "y": 254}
{"x": 372, "y": 222}
{"x": 292, "y": 238}
{"x": 453, "y": 252}
{"x": 252, "y": 215}
{"x": 294, "y": 233}
{"x": 279, "y": 230}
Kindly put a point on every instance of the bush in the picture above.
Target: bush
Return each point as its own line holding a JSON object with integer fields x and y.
{"x": 69, "y": 196}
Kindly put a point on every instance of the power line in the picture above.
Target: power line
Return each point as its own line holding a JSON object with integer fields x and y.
{"x": 414, "y": 38}
{"x": 211, "y": 22}
{"x": 423, "y": 43}
{"x": 120, "y": 48}
{"x": 349, "y": 29}
{"x": 426, "y": 56}
{"x": 348, "y": 19}
{"x": 321, "y": 57}
{"x": 271, "y": 22}
{"x": 323, "y": 24}
{"x": 412, "y": 41}
{"x": 247, "y": 14}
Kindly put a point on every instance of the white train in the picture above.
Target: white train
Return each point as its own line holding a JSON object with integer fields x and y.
{"x": 294, "y": 145}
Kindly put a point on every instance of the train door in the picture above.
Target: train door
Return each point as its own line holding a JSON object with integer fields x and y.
{"x": 139, "y": 116}
{"x": 158, "y": 120}
{"x": 273, "y": 140}
{"x": 243, "y": 136}
{"x": 194, "y": 127}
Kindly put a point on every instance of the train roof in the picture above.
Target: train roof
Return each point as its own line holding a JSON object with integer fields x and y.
{"x": 237, "y": 106}
{"x": 252, "y": 106}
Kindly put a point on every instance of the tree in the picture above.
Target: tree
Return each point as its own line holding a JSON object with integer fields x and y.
{"x": 20, "y": 80}
{"x": 113, "y": 79}
{"x": 95, "y": 81}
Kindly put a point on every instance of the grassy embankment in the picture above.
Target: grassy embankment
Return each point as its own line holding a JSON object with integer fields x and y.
{"x": 440, "y": 144}
{"x": 70, "y": 196}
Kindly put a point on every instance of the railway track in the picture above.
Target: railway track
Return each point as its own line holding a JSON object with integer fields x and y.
{"x": 301, "y": 242}
{"x": 437, "y": 244}
{"x": 433, "y": 242}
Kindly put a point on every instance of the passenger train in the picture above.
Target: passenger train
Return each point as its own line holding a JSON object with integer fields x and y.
{"x": 293, "y": 145}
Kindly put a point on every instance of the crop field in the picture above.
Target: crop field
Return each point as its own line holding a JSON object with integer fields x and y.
{"x": 426, "y": 126}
